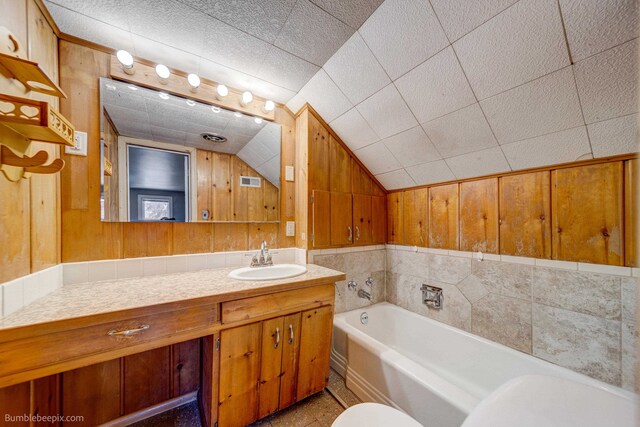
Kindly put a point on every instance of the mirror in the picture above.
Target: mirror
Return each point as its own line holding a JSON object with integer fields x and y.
{"x": 171, "y": 159}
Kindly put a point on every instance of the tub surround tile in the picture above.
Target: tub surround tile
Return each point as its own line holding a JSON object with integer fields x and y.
{"x": 448, "y": 269}
{"x": 455, "y": 311}
{"x": 630, "y": 291}
{"x": 473, "y": 289}
{"x": 577, "y": 341}
{"x": 334, "y": 262}
{"x": 552, "y": 263}
{"x": 503, "y": 319}
{"x": 604, "y": 269}
{"x": 362, "y": 262}
{"x": 412, "y": 263}
{"x": 513, "y": 280}
{"x": 353, "y": 301}
{"x": 630, "y": 365}
{"x": 588, "y": 293}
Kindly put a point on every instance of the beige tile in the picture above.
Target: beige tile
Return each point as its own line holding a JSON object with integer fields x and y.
{"x": 513, "y": 280}
{"x": 455, "y": 311}
{"x": 588, "y": 293}
{"x": 391, "y": 292}
{"x": 630, "y": 348}
{"x": 630, "y": 290}
{"x": 364, "y": 262}
{"x": 411, "y": 263}
{"x": 580, "y": 342}
{"x": 334, "y": 262}
{"x": 473, "y": 289}
{"x": 503, "y": 319}
{"x": 448, "y": 269}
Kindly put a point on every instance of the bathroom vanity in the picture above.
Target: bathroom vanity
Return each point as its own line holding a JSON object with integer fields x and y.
{"x": 264, "y": 345}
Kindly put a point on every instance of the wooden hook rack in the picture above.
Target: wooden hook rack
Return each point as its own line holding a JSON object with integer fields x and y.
{"x": 15, "y": 166}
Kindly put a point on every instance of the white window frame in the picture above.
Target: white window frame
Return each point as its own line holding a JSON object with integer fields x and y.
{"x": 148, "y": 197}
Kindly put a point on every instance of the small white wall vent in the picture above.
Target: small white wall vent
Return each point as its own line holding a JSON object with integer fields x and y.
{"x": 250, "y": 181}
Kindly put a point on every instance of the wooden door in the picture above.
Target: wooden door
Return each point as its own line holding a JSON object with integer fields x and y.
{"x": 587, "y": 206}
{"x": 341, "y": 219}
{"x": 443, "y": 217}
{"x": 289, "y": 370}
{"x": 362, "y": 219}
{"x": 525, "y": 215}
{"x": 378, "y": 219}
{"x": 479, "y": 216}
{"x": 315, "y": 348}
{"x": 239, "y": 375}
{"x": 416, "y": 218}
{"x": 321, "y": 219}
{"x": 395, "y": 207}
{"x": 270, "y": 366}
{"x": 339, "y": 167}
{"x": 318, "y": 155}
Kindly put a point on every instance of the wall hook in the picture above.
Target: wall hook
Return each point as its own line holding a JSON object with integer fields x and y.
{"x": 53, "y": 167}
{"x": 8, "y": 157}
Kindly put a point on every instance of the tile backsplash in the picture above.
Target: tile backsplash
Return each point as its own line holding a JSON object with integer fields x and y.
{"x": 19, "y": 292}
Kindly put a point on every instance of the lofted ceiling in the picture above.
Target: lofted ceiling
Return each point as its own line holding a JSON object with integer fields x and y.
{"x": 423, "y": 91}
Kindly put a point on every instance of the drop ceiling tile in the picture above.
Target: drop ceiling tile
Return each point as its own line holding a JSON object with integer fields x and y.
{"x": 459, "y": 17}
{"x": 161, "y": 53}
{"x": 403, "y": 34}
{"x": 395, "y": 180}
{"x": 546, "y": 105}
{"x": 524, "y": 42}
{"x": 352, "y": 12}
{"x": 168, "y": 135}
{"x": 461, "y": 132}
{"x": 112, "y": 12}
{"x": 412, "y": 147}
{"x": 90, "y": 29}
{"x": 169, "y": 22}
{"x": 593, "y": 26}
{"x": 261, "y": 18}
{"x": 312, "y": 34}
{"x": 615, "y": 136}
{"x": 608, "y": 83}
{"x": 354, "y": 130}
{"x": 386, "y": 112}
{"x": 377, "y": 158}
{"x": 431, "y": 173}
{"x": 484, "y": 162}
{"x": 560, "y": 147}
{"x": 286, "y": 70}
{"x": 356, "y": 71}
{"x": 296, "y": 103}
{"x": 436, "y": 87}
{"x": 325, "y": 97}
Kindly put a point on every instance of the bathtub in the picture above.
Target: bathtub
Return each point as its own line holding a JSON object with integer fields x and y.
{"x": 434, "y": 372}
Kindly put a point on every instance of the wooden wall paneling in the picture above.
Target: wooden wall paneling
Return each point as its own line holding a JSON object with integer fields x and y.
{"x": 587, "y": 206}
{"x": 479, "y": 216}
{"x": 376, "y": 190}
{"x": 239, "y": 195}
{"x": 416, "y": 217}
{"x": 289, "y": 370}
{"x": 303, "y": 208}
{"x": 144, "y": 239}
{"x": 339, "y": 167}
{"x": 271, "y": 204}
{"x": 147, "y": 379}
{"x": 631, "y": 216}
{"x": 15, "y": 258}
{"x": 525, "y": 215}
{"x": 318, "y": 155}
{"x": 15, "y": 400}
{"x": 221, "y": 192}
{"x": 204, "y": 166}
{"x": 192, "y": 238}
{"x": 443, "y": 217}
{"x": 342, "y": 231}
{"x": 395, "y": 212}
{"x": 362, "y": 223}
{"x": 361, "y": 183}
{"x": 315, "y": 348}
{"x": 230, "y": 237}
{"x": 259, "y": 232}
{"x": 46, "y": 398}
{"x": 209, "y": 374}
{"x": 255, "y": 199}
{"x": 321, "y": 219}
{"x": 287, "y": 193}
{"x": 185, "y": 364}
{"x": 378, "y": 219}
{"x": 239, "y": 375}
{"x": 273, "y": 340}
{"x": 93, "y": 392}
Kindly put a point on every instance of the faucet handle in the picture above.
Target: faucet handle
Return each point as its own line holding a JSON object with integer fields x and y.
{"x": 263, "y": 246}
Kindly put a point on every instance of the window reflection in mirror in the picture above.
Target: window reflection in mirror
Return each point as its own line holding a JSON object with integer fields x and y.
{"x": 166, "y": 158}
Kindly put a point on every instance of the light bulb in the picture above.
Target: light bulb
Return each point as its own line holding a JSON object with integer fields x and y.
{"x": 215, "y": 109}
{"x": 126, "y": 60}
{"x": 237, "y": 114}
{"x": 194, "y": 81}
{"x": 258, "y": 120}
{"x": 132, "y": 87}
{"x": 191, "y": 103}
{"x": 163, "y": 95}
{"x": 222, "y": 91}
{"x": 163, "y": 72}
{"x": 247, "y": 97}
{"x": 269, "y": 105}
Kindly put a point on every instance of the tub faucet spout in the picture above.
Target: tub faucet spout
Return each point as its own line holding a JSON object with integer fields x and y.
{"x": 364, "y": 294}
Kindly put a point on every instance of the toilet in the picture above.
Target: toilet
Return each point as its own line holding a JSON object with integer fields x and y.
{"x": 374, "y": 415}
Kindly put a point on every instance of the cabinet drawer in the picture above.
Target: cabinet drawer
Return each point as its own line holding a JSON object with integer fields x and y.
{"x": 277, "y": 304}
{"x": 35, "y": 352}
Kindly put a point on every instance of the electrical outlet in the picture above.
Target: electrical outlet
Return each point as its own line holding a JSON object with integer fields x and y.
{"x": 80, "y": 149}
{"x": 291, "y": 228}
{"x": 288, "y": 173}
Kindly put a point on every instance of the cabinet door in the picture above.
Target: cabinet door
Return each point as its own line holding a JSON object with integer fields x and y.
{"x": 239, "y": 375}
{"x": 321, "y": 219}
{"x": 318, "y": 155}
{"x": 339, "y": 167}
{"x": 479, "y": 216}
{"x": 315, "y": 347}
{"x": 443, "y": 217}
{"x": 361, "y": 219}
{"x": 378, "y": 219}
{"x": 341, "y": 219}
{"x": 271, "y": 361}
{"x": 290, "y": 349}
{"x": 416, "y": 218}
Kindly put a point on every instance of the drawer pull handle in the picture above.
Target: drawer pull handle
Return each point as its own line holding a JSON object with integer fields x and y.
{"x": 350, "y": 233}
{"x": 277, "y": 338}
{"x": 128, "y": 332}
{"x": 290, "y": 334}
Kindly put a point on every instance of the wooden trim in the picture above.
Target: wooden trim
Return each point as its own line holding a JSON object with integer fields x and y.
{"x": 151, "y": 411}
{"x": 307, "y": 106}
{"x": 47, "y": 15}
{"x": 588, "y": 162}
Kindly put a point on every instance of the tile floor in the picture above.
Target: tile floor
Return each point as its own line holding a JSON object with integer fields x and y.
{"x": 319, "y": 410}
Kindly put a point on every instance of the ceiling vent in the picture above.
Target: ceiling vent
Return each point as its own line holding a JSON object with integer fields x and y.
{"x": 213, "y": 137}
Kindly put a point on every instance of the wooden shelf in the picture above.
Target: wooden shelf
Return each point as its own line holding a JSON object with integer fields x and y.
{"x": 30, "y": 75}
{"x": 35, "y": 120}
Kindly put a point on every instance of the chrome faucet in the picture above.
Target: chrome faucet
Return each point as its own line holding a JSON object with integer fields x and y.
{"x": 364, "y": 294}
{"x": 262, "y": 258}
{"x": 432, "y": 296}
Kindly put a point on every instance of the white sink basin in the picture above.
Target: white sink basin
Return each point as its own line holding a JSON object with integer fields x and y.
{"x": 538, "y": 400}
{"x": 273, "y": 272}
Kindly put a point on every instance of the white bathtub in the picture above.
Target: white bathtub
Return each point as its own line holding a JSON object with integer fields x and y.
{"x": 434, "y": 372}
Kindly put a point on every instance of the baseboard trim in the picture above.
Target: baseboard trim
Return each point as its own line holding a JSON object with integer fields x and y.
{"x": 151, "y": 411}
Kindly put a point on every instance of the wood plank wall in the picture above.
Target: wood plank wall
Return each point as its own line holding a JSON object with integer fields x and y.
{"x": 30, "y": 211}
{"x": 584, "y": 212}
